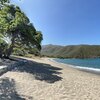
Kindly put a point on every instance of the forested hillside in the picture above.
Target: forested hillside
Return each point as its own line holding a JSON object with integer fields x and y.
{"x": 72, "y": 51}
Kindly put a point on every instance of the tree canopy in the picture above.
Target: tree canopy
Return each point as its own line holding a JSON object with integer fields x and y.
{"x": 16, "y": 26}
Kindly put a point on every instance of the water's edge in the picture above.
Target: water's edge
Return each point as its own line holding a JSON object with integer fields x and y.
{"x": 86, "y": 69}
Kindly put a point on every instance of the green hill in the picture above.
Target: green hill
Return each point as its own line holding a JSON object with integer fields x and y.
{"x": 71, "y": 51}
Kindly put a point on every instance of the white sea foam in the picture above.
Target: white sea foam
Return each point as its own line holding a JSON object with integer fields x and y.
{"x": 87, "y": 68}
{"x": 79, "y": 67}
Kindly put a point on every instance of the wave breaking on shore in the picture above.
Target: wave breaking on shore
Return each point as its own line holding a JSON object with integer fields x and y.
{"x": 82, "y": 68}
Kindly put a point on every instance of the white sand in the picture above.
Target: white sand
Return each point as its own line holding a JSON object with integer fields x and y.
{"x": 71, "y": 84}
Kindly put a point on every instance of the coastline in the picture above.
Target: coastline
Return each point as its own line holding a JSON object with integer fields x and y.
{"x": 81, "y": 68}
{"x": 47, "y": 80}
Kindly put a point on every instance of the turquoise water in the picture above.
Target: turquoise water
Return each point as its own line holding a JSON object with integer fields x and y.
{"x": 85, "y": 63}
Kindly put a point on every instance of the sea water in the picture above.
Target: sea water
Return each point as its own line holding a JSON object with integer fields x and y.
{"x": 90, "y": 64}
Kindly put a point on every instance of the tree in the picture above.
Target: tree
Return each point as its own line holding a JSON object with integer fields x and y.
{"x": 3, "y": 45}
{"x": 16, "y": 26}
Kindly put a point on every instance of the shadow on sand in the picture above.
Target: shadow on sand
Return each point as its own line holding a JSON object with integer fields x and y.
{"x": 7, "y": 90}
{"x": 40, "y": 71}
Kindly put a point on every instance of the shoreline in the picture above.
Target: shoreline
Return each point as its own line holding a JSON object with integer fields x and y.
{"x": 81, "y": 68}
{"x": 42, "y": 79}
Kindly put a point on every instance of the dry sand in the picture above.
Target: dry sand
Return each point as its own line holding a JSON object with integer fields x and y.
{"x": 42, "y": 79}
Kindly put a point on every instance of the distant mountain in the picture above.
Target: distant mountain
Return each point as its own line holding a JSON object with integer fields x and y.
{"x": 71, "y": 51}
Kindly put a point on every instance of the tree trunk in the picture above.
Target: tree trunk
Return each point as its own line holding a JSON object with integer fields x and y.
{"x": 0, "y": 55}
{"x": 10, "y": 49}
{"x": 1, "y": 52}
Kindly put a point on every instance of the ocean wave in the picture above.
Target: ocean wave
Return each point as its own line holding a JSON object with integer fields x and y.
{"x": 87, "y": 69}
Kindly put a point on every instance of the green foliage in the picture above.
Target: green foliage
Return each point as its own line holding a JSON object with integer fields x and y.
{"x": 4, "y": 1}
{"x": 17, "y": 27}
{"x": 19, "y": 52}
{"x": 78, "y": 51}
{"x": 26, "y": 51}
{"x": 34, "y": 51}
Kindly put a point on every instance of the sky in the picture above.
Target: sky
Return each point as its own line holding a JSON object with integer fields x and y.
{"x": 64, "y": 22}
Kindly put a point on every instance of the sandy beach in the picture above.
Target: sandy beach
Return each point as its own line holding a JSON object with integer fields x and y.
{"x": 43, "y": 79}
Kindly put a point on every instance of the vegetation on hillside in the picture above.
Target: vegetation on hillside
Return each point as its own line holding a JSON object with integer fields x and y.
{"x": 17, "y": 33}
{"x": 78, "y": 51}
